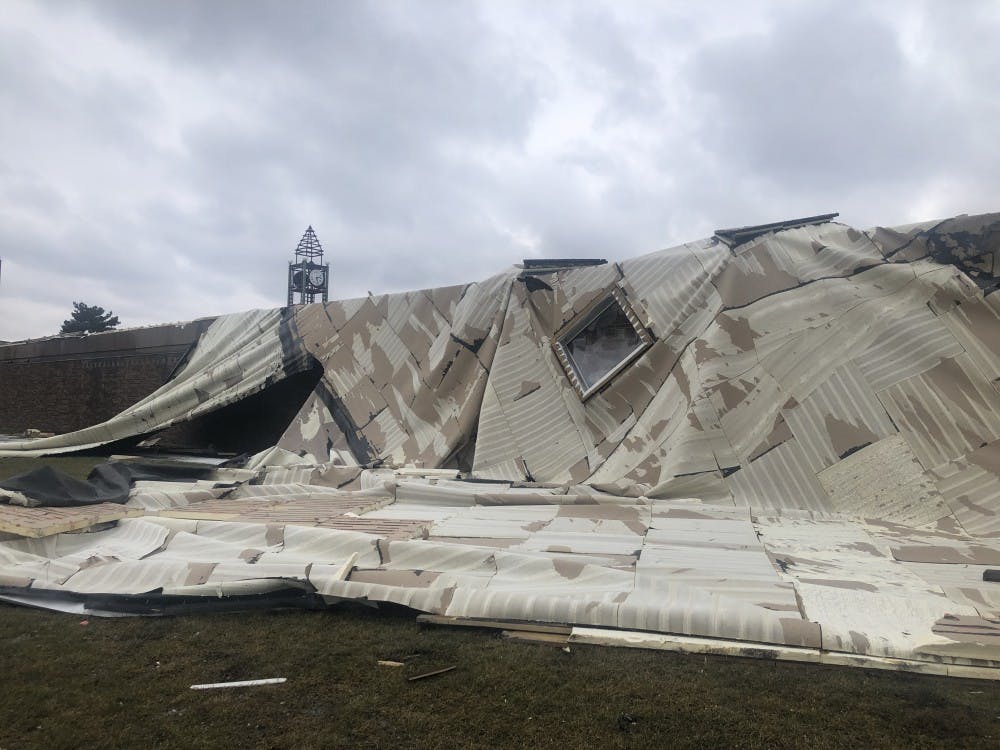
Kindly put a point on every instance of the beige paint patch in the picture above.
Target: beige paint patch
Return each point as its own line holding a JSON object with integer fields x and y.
{"x": 969, "y": 629}
{"x": 198, "y": 573}
{"x": 846, "y": 436}
{"x": 733, "y": 392}
{"x": 751, "y": 276}
{"x": 569, "y": 569}
{"x": 987, "y": 458}
{"x": 969, "y": 554}
{"x": 527, "y": 387}
{"x": 401, "y": 578}
{"x": 740, "y": 332}
{"x": 778, "y": 435}
{"x": 840, "y": 584}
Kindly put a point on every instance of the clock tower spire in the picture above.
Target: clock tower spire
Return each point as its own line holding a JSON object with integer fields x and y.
{"x": 308, "y": 276}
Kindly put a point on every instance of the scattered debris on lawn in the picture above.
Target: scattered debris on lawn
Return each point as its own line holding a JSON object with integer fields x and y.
{"x": 435, "y": 673}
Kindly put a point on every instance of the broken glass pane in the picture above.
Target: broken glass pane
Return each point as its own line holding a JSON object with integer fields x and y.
{"x": 605, "y": 341}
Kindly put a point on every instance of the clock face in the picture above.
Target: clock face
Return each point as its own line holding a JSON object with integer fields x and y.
{"x": 316, "y": 277}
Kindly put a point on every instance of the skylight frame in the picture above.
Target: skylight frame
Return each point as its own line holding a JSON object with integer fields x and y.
{"x": 561, "y": 339}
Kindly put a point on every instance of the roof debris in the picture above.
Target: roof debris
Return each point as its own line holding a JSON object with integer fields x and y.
{"x": 801, "y": 462}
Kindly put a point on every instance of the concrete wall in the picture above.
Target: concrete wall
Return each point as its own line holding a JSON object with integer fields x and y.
{"x": 64, "y": 383}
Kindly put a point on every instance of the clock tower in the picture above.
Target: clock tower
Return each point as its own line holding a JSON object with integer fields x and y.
{"x": 308, "y": 276}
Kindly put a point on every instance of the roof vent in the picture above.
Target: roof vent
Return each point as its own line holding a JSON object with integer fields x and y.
{"x": 534, "y": 266}
{"x": 739, "y": 235}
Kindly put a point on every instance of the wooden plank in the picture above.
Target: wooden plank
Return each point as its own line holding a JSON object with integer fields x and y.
{"x": 431, "y": 674}
{"x": 41, "y": 522}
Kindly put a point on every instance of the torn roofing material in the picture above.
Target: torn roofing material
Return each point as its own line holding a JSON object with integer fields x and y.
{"x": 806, "y": 454}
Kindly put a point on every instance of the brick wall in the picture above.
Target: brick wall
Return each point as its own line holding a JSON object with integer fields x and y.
{"x": 66, "y": 383}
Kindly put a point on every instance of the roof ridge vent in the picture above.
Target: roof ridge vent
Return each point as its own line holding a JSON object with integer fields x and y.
{"x": 533, "y": 266}
{"x": 739, "y": 235}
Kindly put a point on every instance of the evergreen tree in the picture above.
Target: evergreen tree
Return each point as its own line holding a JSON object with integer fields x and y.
{"x": 89, "y": 319}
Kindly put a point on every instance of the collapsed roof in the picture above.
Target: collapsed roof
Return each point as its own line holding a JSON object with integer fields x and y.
{"x": 791, "y": 443}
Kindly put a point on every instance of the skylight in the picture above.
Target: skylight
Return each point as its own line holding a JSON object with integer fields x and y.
{"x": 601, "y": 344}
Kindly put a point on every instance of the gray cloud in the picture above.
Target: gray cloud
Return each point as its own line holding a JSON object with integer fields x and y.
{"x": 162, "y": 159}
{"x": 823, "y": 101}
{"x": 828, "y": 103}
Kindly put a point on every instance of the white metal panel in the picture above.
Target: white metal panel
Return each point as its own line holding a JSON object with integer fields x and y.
{"x": 840, "y": 415}
{"x": 779, "y": 479}
{"x": 894, "y": 625}
{"x": 909, "y": 346}
{"x": 130, "y": 576}
{"x": 976, "y": 324}
{"x": 971, "y": 488}
{"x": 670, "y": 289}
{"x": 944, "y": 412}
{"x": 681, "y": 608}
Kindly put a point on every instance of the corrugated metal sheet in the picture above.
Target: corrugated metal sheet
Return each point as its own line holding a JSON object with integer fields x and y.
{"x": 909, "y": 347}
{"x": 672, "y": 291}
{"x": 779, "y": 479}
{"x": 970, "y": 488}
{"x": 839, "y": 416}
{"x": 745, "y": 574}
{"x": 531, "y": 403}
{"x": 944, "y": 412}
{"x": 577, "y": 289}
{"x": 813, "y": 252}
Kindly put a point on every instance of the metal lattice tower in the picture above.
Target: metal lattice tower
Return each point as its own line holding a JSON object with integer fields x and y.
{"x": 309, "y": 246}
{"x": 308, "y": 276}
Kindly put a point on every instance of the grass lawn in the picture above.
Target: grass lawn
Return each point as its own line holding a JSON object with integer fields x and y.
{"x": 124, "y": 683}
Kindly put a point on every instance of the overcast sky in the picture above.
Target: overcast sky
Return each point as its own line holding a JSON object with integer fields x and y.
{"x": 162, "y": 159}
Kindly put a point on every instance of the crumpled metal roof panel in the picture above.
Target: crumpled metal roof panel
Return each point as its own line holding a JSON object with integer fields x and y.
{"x": 807, "y": 456}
